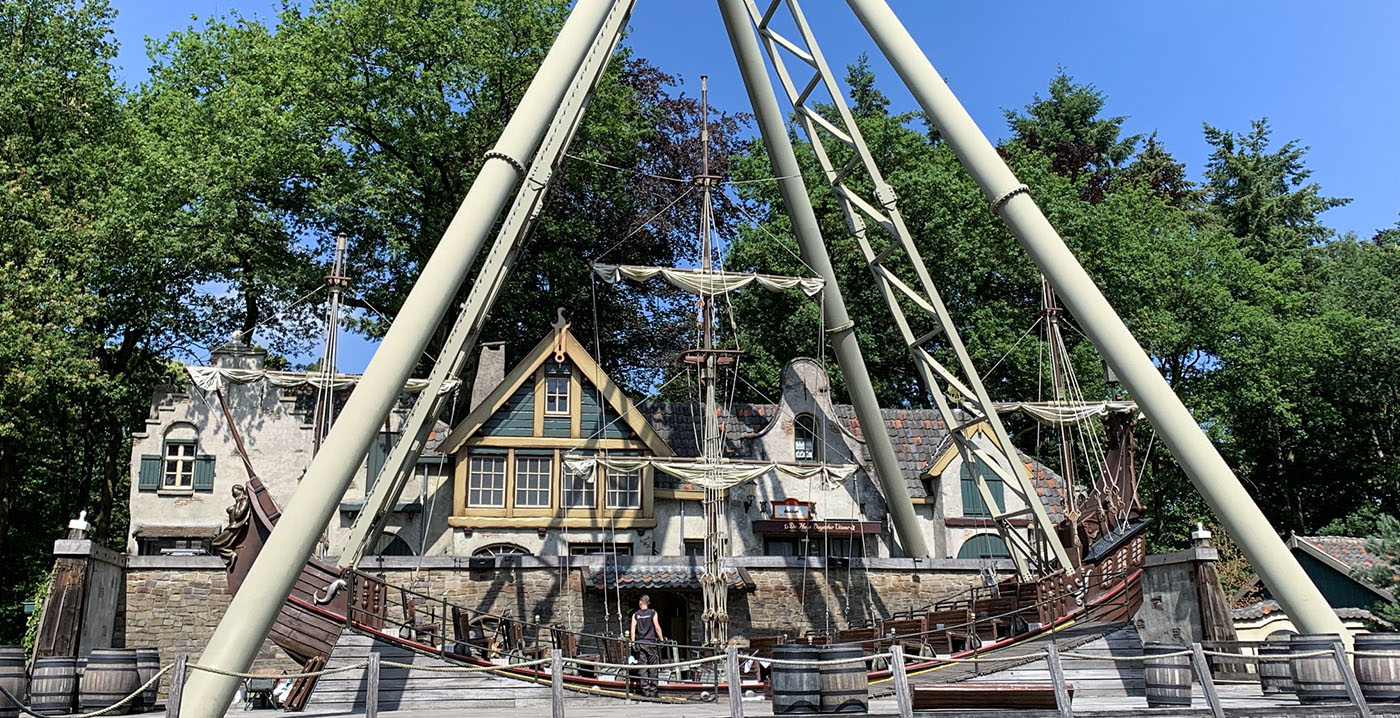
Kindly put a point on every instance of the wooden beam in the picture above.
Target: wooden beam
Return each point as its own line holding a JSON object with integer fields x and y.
{"x": 556, "y": 682}
{"x": 601, "y": 522}
{"x": 1057, "y": 678}
{"x": 1198, "y": 661}
{"x": 177, "y": 686}
{"x": 372, "y": 685}
{"x": 902, "y": 697}
{"x": 736, "y": 690}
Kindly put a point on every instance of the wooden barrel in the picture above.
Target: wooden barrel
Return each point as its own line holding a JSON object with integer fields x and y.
{"x": 53, "y": 689}
{"x": 1317, "y": 679}
{"x": 1168, "y": 680}
{"x": 109, "y": 677}
{"x": 845, "y": 688}
{"x": 1379, "y": 675}
{"x": 147, "y": 665}
{"x": 796, "y": 689}
{"x": 1275, "y": 675}
{"x": 12, "y": 677}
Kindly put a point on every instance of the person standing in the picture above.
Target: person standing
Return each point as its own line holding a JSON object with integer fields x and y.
{"x": 646, "y": 641}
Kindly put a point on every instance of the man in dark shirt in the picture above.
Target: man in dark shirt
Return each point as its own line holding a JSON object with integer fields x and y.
{"x": 646, "y": 639}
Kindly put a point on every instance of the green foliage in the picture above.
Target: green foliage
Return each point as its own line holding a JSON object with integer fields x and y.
{"x": 1385, "y": 544}
{"x": 1363, "y": 522}
{"x": 1067, "y": 127}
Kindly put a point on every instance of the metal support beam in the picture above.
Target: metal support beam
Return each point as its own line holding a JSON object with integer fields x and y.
{"x": 250, "y": 615}
{"x": 808, "y": 232}
{"x": 1179, "y": 431}
{"x": 490, "y": 280}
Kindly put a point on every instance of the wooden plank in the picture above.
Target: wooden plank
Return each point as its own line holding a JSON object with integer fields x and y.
{"x": 1363, "y": 709}
{"x": 177, "y": 687}
{"x": 901, "y": 682}
{"x": 556, "y": 682}
{"x": 1198, "y": 661}
{"x": 372, "y": 687}
{"x": 736, "y": 692}
{"x": 1057, "y": 678}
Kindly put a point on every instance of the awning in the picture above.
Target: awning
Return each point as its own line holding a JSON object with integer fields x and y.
{"x": 829, "y": 528}
{"x": 675, "y": 577}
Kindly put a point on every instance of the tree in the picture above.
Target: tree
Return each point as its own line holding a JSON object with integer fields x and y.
{"x": 1260, "y": 194}
{"x": 1068, "y": 127}
{"x": 1385, "y": 544}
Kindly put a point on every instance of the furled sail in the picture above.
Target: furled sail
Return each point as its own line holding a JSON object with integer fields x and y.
{"x": 705, "y": 283}
{"x": 1066, "y": 413}
{"x": 715, "y": 475}
{"x": 213, "y": 378}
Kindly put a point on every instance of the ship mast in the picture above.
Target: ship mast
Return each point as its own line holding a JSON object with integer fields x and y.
{"x": 1050, "y": 309}
{"x": 716, "y": 594}
{"x": 336, "y": 281}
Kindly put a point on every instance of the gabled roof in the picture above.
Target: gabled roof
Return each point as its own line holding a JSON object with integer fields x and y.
{"x": 559, "y": 342}
{"x": 918, "y": 435}
{"x": 1346, "y": 554}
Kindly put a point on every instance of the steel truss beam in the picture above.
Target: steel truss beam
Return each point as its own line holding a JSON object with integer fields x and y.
{"x": 887, "y": 254}
{"x": 491, "y": 279}
{"x": 1190, "y": 446}
{"x": 250, "y": 615}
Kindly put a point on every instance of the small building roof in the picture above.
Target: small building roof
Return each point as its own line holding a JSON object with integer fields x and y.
{"x": 679, "y": 576}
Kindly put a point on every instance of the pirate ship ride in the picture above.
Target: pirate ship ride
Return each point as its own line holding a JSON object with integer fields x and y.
{"x": 1081, "y": 569}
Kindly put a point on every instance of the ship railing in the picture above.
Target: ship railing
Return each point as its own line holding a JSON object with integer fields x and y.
{"x": 433, "y": 624}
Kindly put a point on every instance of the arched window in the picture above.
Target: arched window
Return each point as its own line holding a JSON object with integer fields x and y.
{"x": 984, "y": 546}
{"x": 973, "y": 505}
{"x": 806, "y": 440}
{"x": 500, "y": 549}
{"x": 391, "y": 545}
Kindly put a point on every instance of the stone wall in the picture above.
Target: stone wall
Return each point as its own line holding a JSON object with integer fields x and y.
{"x": 174, "y": 603}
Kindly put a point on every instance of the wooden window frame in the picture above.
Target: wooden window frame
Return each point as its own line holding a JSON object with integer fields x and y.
{"x": 815, "y": 437}
{"x": 566, "y": 396}
{"x": 165, "y": 459}
{"x": 505, "y": 483}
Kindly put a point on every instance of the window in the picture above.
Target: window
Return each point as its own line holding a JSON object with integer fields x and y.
{"x": 694, "y": 547}
{"x": 577, "y": 489}
{"x": 973, "y": 505}
{"x": 179, "y": 465}
{"x": 533, "y": 476}
{"x": 605, "y": 547}
{"x": 805, "y": 443}
{"x": 392, "y": 545}
{"x": 556, "y": 395}
{"x": 172, "y": 545}
{"x": 807, "y": 546}
{"x": 624, "y": 489}
{"x": 500, "y": 549}
{"x": 486, "y": 481}
{"x": 984, "y": 546}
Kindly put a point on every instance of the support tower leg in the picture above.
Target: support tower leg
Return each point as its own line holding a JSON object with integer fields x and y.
{"x": 809, "y": 237}
{"x": 250, "y": 615}
{"x": 1179, "y": 431}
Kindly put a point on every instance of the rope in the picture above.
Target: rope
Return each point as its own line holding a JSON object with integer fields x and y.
{"x": 311, "y": 674}
{"x": 104, "y": 711}
{"x": 1125, "y": 659}
{"x": 640, "y": 666}
{"x": 464, "y": 669}
{"x": 817, "y": 664}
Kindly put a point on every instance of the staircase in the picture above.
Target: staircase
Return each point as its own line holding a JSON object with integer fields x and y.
{"x": 402, "y": 689}
{"x": 1090, "y": 678}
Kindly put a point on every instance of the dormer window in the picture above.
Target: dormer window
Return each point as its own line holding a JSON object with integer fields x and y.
{"x": 805, "y": 443}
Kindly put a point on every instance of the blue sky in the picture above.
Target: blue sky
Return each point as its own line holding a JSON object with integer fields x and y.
{"x": 1327, "y": 74}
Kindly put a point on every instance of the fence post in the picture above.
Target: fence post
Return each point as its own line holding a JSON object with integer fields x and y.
{"x": 1349, "y": 678}
{"x": 1198, "y": 661}
{"x": 902, "y": 697}
{"x": 556, "y": 682}
{"x": 736, "y": 688}
{"x": 177, "y": 687}
{"x": 372, "y": 686}
{"x": 1057, "y": 679}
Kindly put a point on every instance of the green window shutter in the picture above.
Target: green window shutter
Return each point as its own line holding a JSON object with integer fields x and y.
{"x": 204, "y": 473}
{"x": 984, "y": 546}
{"x": 149, "y": 477}
{"x": 973, "y": 505}
{"x": 378, "y": 454}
